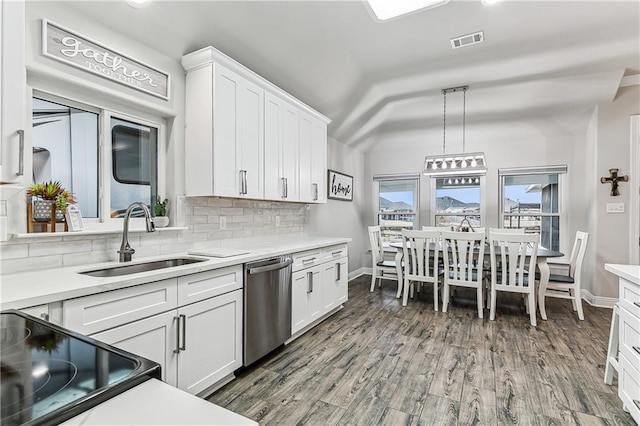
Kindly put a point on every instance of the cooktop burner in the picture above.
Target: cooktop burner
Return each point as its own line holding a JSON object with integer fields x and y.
{"x": 49, "y": 374}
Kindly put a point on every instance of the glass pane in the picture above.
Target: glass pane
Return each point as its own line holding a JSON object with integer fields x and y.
{"x": 531, "y": 194}
{"x": 134, "y": 165}
{"x": 548, "y": 227}
{"x": 397, "y": 204}
{"x": 65, "y": 149}
{"x": 457, "y": 198}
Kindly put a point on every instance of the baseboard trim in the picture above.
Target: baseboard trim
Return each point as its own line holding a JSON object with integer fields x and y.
{"x": 359, "y": 272}
{"x": 598, "y": 301}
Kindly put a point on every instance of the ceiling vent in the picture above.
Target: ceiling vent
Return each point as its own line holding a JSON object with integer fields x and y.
{"x": 467, "y": 40}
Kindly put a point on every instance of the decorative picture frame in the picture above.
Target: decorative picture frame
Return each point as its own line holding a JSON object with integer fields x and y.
{"x": 339, "y": 186}
{"x": 73, "y": 216}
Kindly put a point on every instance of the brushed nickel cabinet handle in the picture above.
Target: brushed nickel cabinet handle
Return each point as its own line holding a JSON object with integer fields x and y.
{"x": 315, "y": 192}
{"x": 184, "y": 332}
{"x": 21, "y": 154}
{"x": 177, "y": 349}
{"x": 637, "y": 402}
{"x": 308, "y": 260}
{"x": 241, "y": 177}
{"x": 310, "y": 282}
{"x": 637, "y": 349}
{"x": 637, "y": 304}
{"x": 338, "y": 271}
{"x": 286, "y": 188}
{"x": 334, "y": 253}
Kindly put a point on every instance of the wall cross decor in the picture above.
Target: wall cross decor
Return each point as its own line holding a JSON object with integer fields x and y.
{"x": 613, "y": 179}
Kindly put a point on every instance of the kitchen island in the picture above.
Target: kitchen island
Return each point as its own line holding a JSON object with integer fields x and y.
{"x": 629, "y": 336}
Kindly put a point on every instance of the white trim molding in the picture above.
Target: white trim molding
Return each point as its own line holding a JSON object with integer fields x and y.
{"x": 630, "y": 80}
{"x": 598, "y": 301}
{"x": 358, "y": 272}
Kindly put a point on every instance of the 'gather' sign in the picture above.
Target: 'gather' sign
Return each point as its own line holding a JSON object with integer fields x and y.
{"x": 66, "y": 46}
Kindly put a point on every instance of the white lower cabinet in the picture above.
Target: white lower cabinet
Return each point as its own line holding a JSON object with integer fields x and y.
{"x": 190, "y": 325}
{"x": 153, "y": 338}
{"x": 318, "y": 289}
{"x": 306, "y": 297}
{"x": 196, "y": 345}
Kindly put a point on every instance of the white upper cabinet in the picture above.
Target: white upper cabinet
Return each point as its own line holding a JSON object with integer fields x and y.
{"x": 12, "y": 91}
{"x": 313, "y": 159}
{"x": 281, "y": 167}
{"x": 244, "y": 135}
{"x": 224, "y": 151}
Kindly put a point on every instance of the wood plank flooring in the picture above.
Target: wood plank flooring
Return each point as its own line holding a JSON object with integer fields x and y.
{"x": 378, "y": 363}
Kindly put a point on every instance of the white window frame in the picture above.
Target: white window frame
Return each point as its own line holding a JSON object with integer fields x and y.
{"x": 560, "y": 170}
{"x": 376, "y": 195}
{"x": 433, "y": 208}
{"x": 104, "y": 221}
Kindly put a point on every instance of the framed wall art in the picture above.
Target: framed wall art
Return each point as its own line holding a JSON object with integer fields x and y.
{"x": 73, "y": 216}
{"x": 339, "y": 186}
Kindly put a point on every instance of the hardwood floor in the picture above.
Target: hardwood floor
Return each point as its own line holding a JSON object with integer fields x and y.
{"x": 376, "y": 362}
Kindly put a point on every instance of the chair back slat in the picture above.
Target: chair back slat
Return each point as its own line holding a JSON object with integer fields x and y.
{"x": 509, "y": 253}
{"x": 462, "y": 252}
{"x": 417, "y": 247}
{"x": 375, "y": 240}
{"x": 578, "y": 252}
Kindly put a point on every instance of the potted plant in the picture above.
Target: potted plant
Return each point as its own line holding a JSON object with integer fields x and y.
{"x": 160, "y": 212}
{"x": 49, "y": 197}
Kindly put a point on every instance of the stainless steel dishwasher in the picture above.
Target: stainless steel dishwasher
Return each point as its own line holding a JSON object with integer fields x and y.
{"x": 267, "y": 306}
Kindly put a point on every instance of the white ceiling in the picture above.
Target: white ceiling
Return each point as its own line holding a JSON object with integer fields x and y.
{"x": 538, "y": 58}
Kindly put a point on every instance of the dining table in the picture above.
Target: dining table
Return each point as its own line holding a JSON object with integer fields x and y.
{"x": 541, "y": 264}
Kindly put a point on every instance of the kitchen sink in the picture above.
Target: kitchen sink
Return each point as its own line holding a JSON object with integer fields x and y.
{"x": 117, "y": 271}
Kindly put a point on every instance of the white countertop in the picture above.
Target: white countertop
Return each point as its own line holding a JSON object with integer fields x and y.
{"x": 27, "y": 289}
{"x": 630, "y": 273}
{"x": 156, "y": 403}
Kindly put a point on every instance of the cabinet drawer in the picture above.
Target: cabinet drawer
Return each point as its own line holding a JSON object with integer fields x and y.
{"x": 203, "y": 285}
{"x": 630, "y": 336}
{"x": 306, "y": 259}
{"x": 630, "y": 297}
{"x": 102, "y": 311}
{"x": 334, "y": 252}
{"x": 629, "y": 387}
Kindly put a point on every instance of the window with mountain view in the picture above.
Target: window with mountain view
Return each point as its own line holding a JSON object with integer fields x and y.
{"x": 532, "y": 202}
{"x": 397, "y": 206}
{"x": 457, "y": 199}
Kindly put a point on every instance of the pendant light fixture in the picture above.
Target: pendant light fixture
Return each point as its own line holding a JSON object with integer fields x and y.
{"x": 472, "y": 163}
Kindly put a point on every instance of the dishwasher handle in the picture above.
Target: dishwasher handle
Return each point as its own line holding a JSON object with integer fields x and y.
{"x": 272, "y": 267}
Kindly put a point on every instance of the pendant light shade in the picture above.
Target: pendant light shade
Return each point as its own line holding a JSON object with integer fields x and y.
{"x": 472, "y": 163}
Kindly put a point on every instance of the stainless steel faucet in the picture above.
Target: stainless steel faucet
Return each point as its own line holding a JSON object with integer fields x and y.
{"x": 125, "y": 249}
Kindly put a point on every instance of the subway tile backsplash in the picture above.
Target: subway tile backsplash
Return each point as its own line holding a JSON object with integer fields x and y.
{"x": 247, "y": 222}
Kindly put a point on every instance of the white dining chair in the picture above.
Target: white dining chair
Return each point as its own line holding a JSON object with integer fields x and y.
{"x": 463, "y": 254}
{"x": 568, "y": 286}
{"x": 487, "y": 268}
{"x": 510, "y": 270}
{"x": 420, "y": 266}
{"x": 381, "y": 268}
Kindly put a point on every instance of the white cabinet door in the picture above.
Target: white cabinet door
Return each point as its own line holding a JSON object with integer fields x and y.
{"x": 153, "y": 338}
{"x": 329, "y": 279}
{"x": 341, "y": 284}
{"x": 273, "y": 183}
{"x": 299, "y": 288}
{"x": 210, "y": 341}
{"x": 281, "y": 170}
{"x": 251, "y": 146}
{"x": 226, "y": 126}
{"x": 290, "y": 166}
{"x": 12, "y": 91}
{"x": 313, "y": 159}
{"x": 319, "y": 161}
{"x": 306, "y": 297}
{"x": 307, "y": 191}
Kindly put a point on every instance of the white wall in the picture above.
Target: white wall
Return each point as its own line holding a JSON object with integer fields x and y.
{"x": 344, "y": 218}
{"x": 537, "y": 141}
{"x": 611, "y": 232}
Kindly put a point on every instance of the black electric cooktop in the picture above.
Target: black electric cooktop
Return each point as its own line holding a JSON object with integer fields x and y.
{"x": 49, "y": 374}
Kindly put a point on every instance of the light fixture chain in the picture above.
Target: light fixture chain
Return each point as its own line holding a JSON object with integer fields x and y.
{"x": 464, "y": 117}
{"x": 444, "y": 124}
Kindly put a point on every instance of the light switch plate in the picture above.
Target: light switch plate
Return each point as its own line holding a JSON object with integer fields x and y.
{"x": 615, "y": 207}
